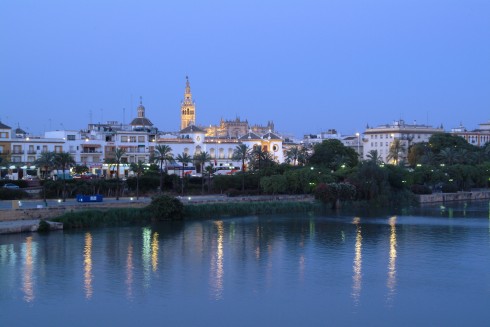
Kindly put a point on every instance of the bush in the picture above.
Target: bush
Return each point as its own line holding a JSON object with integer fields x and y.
{"x": 164, "y": 207}
{"x": 13, "y": 194}
{"x": 420, "y": 189}
{"x": 449, "y": 188}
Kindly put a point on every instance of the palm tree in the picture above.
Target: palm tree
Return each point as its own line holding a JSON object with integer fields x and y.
{"x": 118, "y": 155}
{"x": 63, "y": 160}
{"x": 373, "y": 156}
{"x": 449, "y": 156}
{"x": 241, "y": 153}
{"x": 201, "y": 159}
{"x": 138, "y": 168}
{"x": 162, "y": 154}
{"x": 396, "y": 149}
{"x": 293, "y": 154}
{"x": 46, "y": 161}
{"x": 304, "y": 155}
{"x": 184, "y": 159}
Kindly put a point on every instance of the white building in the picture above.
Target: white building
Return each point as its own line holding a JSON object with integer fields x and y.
{"x": 381, "y": 138}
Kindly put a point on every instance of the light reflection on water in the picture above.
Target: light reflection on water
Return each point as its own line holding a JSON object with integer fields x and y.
{"x": 391, "y": 283}
{"x": 357, "y": 267}
{"x": 87, "y": 262}
{"x": 344, "y": 270}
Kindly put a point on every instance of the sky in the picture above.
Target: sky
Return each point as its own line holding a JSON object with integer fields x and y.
{"x": 307, "y": 65}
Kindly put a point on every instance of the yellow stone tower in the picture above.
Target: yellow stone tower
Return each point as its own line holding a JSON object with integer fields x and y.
{"x": 187, "y": 108}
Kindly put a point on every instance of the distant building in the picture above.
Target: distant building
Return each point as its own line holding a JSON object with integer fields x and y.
{"x": 478, "y": 137}
{"x": 381, "y": 138}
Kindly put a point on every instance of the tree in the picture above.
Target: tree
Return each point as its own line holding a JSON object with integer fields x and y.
{"x": 373, "y": 156}
{"x": 201, "y": 159}
{"x": 63, "y": 161}
{"x": 396, "y": 151}
{"x": 242, "y": 152}
{"x": 118, "y": 155}
{"x": 184, "y": 159}
{"x": 45, "y": 161}
{"x": 138, "y": 168}
{"x": 260, "y": 159}
{"x": 325, "y": 153}
{"x": 449, "y": 156}
{"x": 292, "y": 155}
{"x": 162, "y": 154}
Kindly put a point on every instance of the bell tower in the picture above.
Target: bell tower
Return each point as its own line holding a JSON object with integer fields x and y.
{"x": 187, "y": 107}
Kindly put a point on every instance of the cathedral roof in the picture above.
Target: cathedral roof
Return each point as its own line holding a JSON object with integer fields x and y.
{"x": 192, "y": 129}
{"x": 250, "y": 136}
{"x": 270, "y": 136}
{"x": 141, "y": 121}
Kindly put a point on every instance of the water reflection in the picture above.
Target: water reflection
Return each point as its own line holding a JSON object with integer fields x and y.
{"x": 154, "y": 252}
{"x": 217, "y": 270}
{"x": 146, "y": 256}
{"x": 129, "y": 271}
{"x": 391, "y": 282}
{"x": 357, "y": 273}
{"x": 27, "y": 280}
{"x": 87, "y": 265}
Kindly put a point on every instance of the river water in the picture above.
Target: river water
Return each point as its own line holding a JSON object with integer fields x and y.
{"x": 427, "y": 267}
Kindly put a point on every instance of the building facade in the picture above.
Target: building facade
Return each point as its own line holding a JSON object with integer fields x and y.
{"x": 382, "y": 138}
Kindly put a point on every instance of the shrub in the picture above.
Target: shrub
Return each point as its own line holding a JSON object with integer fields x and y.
{"x": 13, "y": 194}
{"x": 449, "y": 188}
{"x": 420, "y": 189}
{"x": 164, "y": 207}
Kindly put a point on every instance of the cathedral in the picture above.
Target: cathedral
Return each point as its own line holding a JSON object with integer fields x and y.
{"x": 226, "y": 129}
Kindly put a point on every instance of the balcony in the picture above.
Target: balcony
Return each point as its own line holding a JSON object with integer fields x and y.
{"x": 31, "y": 152}
{"x": 17, "y": 151}
{"x": 91, "y": 151}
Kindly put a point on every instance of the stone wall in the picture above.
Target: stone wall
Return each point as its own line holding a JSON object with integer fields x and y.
{"x": 449, "y": 197}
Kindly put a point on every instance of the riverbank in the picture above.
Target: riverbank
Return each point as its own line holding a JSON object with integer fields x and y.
{"x": 128, "y": 210}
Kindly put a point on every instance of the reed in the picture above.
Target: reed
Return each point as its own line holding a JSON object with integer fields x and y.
{"x": 216, "y": 210}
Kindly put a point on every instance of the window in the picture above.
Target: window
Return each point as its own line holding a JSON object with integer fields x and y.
{"x": 141, "y": 139}
{"x": 132, "y": 139}
{"x": 4, "y": 135}
{"x": 124, "y": 138}
{"x": 70, "y": 137}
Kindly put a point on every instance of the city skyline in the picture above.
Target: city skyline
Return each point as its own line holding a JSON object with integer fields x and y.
{"x": 308, "y": 67}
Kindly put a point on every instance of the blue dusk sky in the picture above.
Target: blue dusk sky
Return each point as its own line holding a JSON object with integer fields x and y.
{"x": 308, "y": 65}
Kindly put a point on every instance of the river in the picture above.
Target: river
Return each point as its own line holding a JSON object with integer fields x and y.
{"x": 419, "y": 267}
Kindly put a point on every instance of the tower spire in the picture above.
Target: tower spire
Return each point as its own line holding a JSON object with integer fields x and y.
{"x": 188, "y": 108}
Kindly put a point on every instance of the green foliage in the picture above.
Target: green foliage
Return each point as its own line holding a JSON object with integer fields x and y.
{"x": 275, "y": 184}
{"x": 80, "y": 169}
{"x": 333, "y": 192}
{"x": 420, "y": 189}
{"x": 100, "y": 218}
{"x": 43, "y": 227}
{"x": 164, "y": 207}
{"x": 332, "y": 153}
{"x": 13, "y": 194}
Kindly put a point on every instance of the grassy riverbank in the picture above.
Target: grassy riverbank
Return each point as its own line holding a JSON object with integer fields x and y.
{"x": 133, "y": 216}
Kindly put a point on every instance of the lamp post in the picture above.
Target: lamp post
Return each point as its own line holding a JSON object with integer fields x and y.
{"x": 358, "y": 144}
